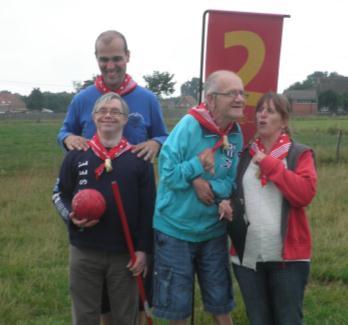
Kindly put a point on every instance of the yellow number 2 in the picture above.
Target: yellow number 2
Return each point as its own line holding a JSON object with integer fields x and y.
{"x": 255, "y": 46}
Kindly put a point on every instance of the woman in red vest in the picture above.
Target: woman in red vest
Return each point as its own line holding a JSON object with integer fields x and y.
{"x": 270, "y": 232}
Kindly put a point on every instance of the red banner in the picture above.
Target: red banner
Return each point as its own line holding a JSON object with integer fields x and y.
{"x": 248, "y": 44}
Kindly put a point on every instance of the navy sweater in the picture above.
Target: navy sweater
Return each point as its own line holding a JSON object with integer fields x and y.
{"x": 135, "y": 178}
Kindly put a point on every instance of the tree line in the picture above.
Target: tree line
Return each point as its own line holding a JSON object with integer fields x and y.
{"x": 160, "y": 83}
{"x": 163, "y": 84}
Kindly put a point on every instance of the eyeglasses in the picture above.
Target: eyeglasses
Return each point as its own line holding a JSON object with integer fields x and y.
{"x": 112, "y": 112}
{"x": 233, "y": 93}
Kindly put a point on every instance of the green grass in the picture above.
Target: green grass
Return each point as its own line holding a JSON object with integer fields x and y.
{"x": 321, "y": 123}
{"x": 321, "y": 134}
{"x": 28, "y": 145}
{"x": 34, "y": 244}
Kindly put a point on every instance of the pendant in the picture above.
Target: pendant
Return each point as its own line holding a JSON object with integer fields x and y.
{"x": 108, "y": 165}
{"x": 225, "y": 142}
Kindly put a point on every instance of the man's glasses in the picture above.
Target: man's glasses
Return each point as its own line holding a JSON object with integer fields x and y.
{"x": 233, "y": 94}
{"x": 112, "y": 112}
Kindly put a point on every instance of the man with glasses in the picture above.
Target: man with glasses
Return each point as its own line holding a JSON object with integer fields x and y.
{"x": 98, "y": 251}
{"x": 197, "y": 168}
{"x": 145, "y": 128}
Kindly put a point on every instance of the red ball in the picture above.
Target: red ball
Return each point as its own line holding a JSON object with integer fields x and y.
{"x": 88, "y": 204}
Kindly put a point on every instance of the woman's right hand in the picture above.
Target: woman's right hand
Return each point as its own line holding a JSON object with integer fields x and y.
{"x": 258, "y": 156}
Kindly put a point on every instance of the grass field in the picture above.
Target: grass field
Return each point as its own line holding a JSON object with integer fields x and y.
{"x": 33, "y": 239}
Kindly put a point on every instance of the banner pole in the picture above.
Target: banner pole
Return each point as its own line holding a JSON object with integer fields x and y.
{"x": 202, "y": 58}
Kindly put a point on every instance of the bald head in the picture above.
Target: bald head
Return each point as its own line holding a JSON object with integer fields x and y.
{"x": 219, "y": 80}
{"x": 108, "y": 36}
{"x": 224, "y": 97}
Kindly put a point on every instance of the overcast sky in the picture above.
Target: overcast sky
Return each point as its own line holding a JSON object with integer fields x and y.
{"x": 49, "y": 44}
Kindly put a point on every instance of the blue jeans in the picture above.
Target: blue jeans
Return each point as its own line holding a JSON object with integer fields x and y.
{"x": 176, "y": 262}
{"x": 273, "y": 294}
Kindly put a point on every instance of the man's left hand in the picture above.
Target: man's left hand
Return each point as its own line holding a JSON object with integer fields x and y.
{"x": 147, "y": 150}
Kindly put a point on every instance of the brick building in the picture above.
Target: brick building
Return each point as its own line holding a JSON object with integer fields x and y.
{"x": 11, "y": 103}
{"x": 303, "y": 102}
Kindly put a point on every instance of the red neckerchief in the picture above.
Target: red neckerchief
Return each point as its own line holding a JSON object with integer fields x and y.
{"x": 204, "y": 117}
{"x": 101, "y": 152}
{"x": 279, "y": 151}
{"x": 126, "y": 87}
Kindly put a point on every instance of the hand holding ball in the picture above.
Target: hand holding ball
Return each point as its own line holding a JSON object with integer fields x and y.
{"x": 88, "y": 204}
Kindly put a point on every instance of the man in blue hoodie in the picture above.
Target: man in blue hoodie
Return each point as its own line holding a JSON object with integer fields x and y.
{"x": 145, "y": 128}
{"x": 197, "y": 167}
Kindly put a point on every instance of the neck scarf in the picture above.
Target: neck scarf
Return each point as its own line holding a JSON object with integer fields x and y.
{"x": 204, "y": 117}
{"x": 279, "y": 151}
{"x": 126, "y": 87}
{"x": 101, "y": 152}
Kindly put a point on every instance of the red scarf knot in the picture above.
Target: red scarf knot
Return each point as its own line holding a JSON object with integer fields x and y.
{"x": 107, "y": 155}
{"x": 126, "y": 87}
{"x": 204, "y": 117}
{"x": 279, "y": 151}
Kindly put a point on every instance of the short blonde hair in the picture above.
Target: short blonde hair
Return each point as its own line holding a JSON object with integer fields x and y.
{"x": 108, "y": 97}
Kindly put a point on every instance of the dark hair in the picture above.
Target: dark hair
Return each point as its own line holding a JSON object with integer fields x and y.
{"x": 280, "y": 103}
{"x": 109, "y": 35}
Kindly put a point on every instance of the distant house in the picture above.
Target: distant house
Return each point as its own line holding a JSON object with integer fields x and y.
{"x": 186, "y": 102}
{"x": 168, "y": 103}
{"x": 336, "y": 84}
{"x": 303, "y": 102}
{"x": 181, "y": 102}
{"x": 11, "y": 103}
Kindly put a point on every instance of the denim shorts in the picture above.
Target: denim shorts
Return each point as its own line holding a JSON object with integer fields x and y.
{"x": 176, "y": 262}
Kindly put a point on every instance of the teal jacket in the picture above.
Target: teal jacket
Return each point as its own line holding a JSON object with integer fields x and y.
{"x": 178, "y": 212}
